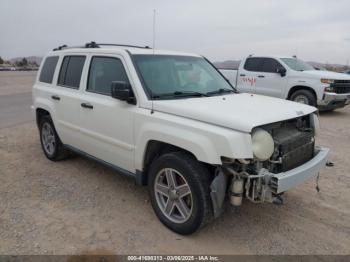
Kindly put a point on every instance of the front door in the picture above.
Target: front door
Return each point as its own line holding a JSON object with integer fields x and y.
{"x": 259, "y": 76}
{"x": 271, "y": 83}
{"x": 107, "y": 124}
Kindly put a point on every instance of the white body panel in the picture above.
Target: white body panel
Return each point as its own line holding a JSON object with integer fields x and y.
{"x": 240, "y": 112}
{"x": 118, "y": 133}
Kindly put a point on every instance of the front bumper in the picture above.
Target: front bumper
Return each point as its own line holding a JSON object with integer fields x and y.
{"x": 286, "y": 180}
{"x": 333, "y": 100}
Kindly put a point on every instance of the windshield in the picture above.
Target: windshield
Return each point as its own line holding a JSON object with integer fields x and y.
{"x": 168, "y": 76}
{"x": 296, "y": 64}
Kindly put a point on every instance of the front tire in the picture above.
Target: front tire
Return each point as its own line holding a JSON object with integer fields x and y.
{"x": 304, "y": 97}
{"x": 50, "y": 142}
{"x": 180, "y": 193}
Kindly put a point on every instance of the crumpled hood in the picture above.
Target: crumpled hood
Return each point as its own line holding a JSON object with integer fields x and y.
{"x": 327, "y": 75}
{"x": 240, "y": 112}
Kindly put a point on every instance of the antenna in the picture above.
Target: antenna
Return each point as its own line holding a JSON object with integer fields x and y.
{"x": 154, "y": 47}
{"x": 154, "y": 29}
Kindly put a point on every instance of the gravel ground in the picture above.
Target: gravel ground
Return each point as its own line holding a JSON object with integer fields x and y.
{"x": 78, "y": 206}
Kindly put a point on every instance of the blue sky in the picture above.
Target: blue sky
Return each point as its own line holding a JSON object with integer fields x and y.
{"x": 221, "y": 30}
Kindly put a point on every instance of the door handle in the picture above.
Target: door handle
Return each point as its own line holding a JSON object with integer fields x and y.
{"x": 87, "y": 105}
{"x": 242, "y": 75}
{"x": 54, "y": 97}
{"x": 261, "y": 76}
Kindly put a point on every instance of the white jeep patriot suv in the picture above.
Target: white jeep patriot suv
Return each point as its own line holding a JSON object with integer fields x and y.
{"x": 171, "y": 121}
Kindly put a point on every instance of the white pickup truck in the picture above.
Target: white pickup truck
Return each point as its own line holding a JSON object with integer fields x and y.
{"x": 172, "y": 122}
{"x": 290, "y": 78}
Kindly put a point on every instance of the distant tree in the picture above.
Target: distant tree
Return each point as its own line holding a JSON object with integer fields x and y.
{"x": 22, "y": 63}
{"x": 1, "y": 61}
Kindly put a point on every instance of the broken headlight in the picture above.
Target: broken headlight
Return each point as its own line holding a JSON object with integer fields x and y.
{"x": 263, "y": 144}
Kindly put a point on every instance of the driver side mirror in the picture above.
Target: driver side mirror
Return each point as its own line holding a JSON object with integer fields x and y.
{"x": 282, "y": 71}
{"x": 122, "y": 90}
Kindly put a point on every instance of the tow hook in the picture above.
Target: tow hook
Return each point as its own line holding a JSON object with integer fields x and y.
{"x": 278, "y": 200}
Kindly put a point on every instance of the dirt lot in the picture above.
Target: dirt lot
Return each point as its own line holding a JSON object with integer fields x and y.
{"x": 77, "y": 206}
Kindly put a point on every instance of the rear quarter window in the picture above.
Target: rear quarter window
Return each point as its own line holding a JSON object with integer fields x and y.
{"x": 48, "y": 69}
{"x": 71, "y": 70}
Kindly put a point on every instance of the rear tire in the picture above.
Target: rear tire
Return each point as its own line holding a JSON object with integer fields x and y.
{"x": 304, "y": 96}
{"x": 50, "y": 142}
{"x": 179, "y": 191}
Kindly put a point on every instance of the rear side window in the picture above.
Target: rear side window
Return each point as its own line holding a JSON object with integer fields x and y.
{"x": 71, "y": 70}
{"x": 48, "y": 69}
{"x": 103, "y": 71}
{"x": 270, "y": 65}
{"x": 254, "y": 64}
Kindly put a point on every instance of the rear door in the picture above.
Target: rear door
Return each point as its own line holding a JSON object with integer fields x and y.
{"x": 66, "y": 97}
{"x": 248, "y": 75}
{"x": 107, "y": 123}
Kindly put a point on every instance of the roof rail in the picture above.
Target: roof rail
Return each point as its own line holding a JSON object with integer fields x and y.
{"x": 93, "y": 44}
{"x": 60, "y": 47}
{"x": 66, "y": 47}
{"x": 123, "y": 45}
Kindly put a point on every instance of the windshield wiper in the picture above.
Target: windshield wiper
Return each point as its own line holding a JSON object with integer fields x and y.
{"x": 181, "y": 94}
{"x": 221, "y": 91}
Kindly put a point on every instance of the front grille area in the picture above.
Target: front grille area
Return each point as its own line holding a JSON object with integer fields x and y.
{"x": 341, "y": 86}
{"x": 293, "y": 147}
{"x": 294, "y": 144}
{"x": 297, "y": 156}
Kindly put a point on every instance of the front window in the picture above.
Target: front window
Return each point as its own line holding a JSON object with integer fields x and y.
{"x": 103, "y": 71}
{"x": 297, "y": 65}
{"x": 167, "y": 76}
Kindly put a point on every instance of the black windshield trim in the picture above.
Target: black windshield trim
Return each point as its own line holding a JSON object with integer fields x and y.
{"x": 180, "y": 94}
{"x": 221, "y": 91}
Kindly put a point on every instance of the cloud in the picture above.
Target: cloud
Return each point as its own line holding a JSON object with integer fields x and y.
{"x": 219, "y": 30}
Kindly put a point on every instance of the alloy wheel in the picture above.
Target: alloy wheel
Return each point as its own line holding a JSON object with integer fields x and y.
{"x": 173, "y": 195}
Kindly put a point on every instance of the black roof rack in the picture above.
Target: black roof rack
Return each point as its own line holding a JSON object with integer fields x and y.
{"x": 93, "y": 44}
{"x": 60, "y": 47}
{"x": 123, "y": 45}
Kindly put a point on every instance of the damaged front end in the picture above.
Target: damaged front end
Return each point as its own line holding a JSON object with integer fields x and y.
{"x": 293, "y": 159}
